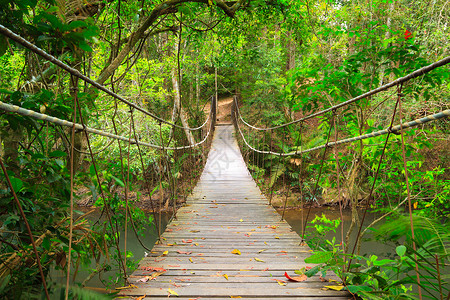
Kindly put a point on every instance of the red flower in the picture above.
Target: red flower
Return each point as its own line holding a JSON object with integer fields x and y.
{"x": 408, "y": 34}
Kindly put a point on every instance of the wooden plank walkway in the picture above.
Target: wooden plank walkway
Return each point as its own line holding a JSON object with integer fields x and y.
{"x": 227, "y": 211}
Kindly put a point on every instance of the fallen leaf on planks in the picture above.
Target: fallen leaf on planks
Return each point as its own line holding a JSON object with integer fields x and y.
{"x": 131, "y": 286}
{"x": 171, "y": 292}
{"x": 236, "y": 251}
{"x": 186, "y": 241}
{"x": 280, "y": 282}
{"x": 153, "y": 269}
{"x": 226, "y": 276}
{"x": 262, "y": 250}
{"x": 191, "y": 260}
{"x": 257, "y": 259}
{"x": 151, "y": 277}
{"x": 184, "y": 252}
{"x": 296, "y": 278}
{"x": 235, "y": 297}
{"x": 333, "y": 287}
{"x": 141, "y": 297}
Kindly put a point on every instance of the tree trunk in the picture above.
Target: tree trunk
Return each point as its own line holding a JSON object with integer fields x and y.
{"x": 177, "y": 108}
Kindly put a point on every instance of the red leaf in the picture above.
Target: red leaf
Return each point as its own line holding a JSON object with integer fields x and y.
{"x": 408, "y": 34}
{"x": 296, "y": 278}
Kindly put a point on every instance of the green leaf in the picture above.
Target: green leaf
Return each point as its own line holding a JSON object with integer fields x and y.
{"x": 319, "y": 258}
{"x": 357, "y": 288}
{"x": 57, "y": 153}
{"x": 16, "y": 183}
{"x": 119, "y": 182}
{"x": 383, "y": 262}
{"x": 313, "y": 271}
{"x": 401, "y": 250}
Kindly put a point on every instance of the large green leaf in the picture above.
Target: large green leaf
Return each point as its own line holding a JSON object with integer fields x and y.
{"x": 319, "y": 258}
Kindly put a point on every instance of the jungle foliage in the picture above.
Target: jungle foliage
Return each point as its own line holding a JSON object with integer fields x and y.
{"x": 283, "y": 58}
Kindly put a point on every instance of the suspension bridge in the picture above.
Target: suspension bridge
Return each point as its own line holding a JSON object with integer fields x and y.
{"x": 227, "y": 241}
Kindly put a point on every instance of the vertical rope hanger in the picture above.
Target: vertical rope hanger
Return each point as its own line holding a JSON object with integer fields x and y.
{"x": 336, "y": 158}
{"x": 408, "y": 190}
{"x": 319, "y": 175}
{"x": 72, "y": 152}
{"x": 399, "y": 89}
{"x": 149, "y": 190}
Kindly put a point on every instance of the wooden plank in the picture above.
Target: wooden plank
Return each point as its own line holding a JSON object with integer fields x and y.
{"x": 227, "y": 211}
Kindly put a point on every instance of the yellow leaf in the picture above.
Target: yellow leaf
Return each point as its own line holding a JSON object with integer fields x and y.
{"x": 190, "y": 259}
{"x": 235, "y": 297}
{"x": 236, "y": 251}
{"x": 280, "y": 282}
{"x": 335, "y": 287}
{"x": 226, "y": 276}
{"x": 262, "y": 250}
{"x": 165, "y": 253}
{"x": 277, "y": 237}
{"x": 241, "y": 220}
{"x": 142, "y": 297}
{"x": 257, "y": 259}
{"x": 210, "y": 2}
{"x": 131, "y": 286}
{"x": 172, "y": 292}
{"x": 428, "y": 205}
{"x": 196, "y": 244}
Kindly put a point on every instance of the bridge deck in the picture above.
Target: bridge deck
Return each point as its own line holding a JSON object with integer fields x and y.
{"x": 227, "y": 212}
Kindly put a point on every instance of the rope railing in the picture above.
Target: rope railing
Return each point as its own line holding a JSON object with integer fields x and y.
{"x": 39, "y": 116}
{"x": 401, "y": 80}
{"x": 394, "y": 129}
{"x": 17, "y": 38}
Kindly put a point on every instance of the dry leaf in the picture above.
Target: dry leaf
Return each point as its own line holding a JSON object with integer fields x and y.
{"x": 296, "y": 278}
{"x": 236, "y": 251}
{"x": 131, "y": 286}
{"x": 241, "y": 220}
{"x": 334, "y": 287}
{"x": 172, "y": 292}
{"x": 226, "y": 276}
{"x": 141, "y": 297}
{"x": 235, "y": 297}
{"x": 165, "y": 253}
{"x": 153, "y": 269}
{"x": 257, "y": 259}
{"x": 184, "y": 252}
{"x": 190, "y": 259}
{"x": 280, "y": 282}
{"x": 262, "y": 250}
